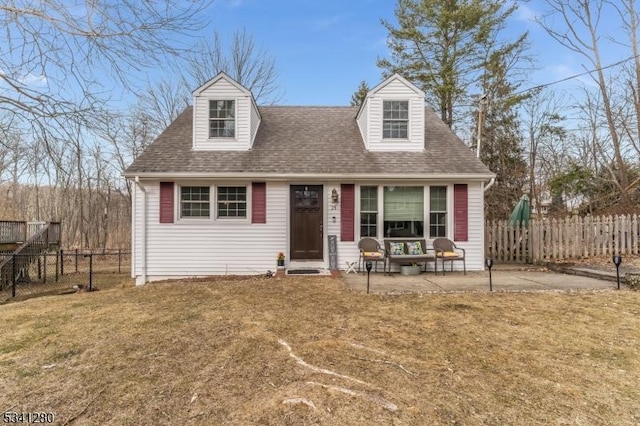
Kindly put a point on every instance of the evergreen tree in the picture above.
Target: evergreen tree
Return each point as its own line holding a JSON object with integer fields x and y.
{"x": 439, "y": 46}
{"x": 501, "y": 146}
{"x": 358, "y": 96}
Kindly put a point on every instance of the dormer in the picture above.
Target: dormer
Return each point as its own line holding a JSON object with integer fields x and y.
{"x": 391, "y": 118}
{"x": 225, "y": 116}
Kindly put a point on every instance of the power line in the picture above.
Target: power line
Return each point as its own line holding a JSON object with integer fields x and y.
{"x": 540, "y": 86}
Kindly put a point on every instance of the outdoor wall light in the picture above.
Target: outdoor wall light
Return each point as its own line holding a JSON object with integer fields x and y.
{"x": 334, "y": 196}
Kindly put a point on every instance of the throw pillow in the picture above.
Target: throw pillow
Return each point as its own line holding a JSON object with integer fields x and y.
{"x": 414, "y": 248}
{"x": 397, "y": 249}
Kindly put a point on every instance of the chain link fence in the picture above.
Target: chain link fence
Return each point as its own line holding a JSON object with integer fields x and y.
{"x": 28, "y": 275}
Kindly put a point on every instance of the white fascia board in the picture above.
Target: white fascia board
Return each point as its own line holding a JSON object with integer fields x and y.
{"x": 363, "y": 105}
{"x": 219, "y": 76}
{"x": 314, "y": 177}
{"x": 404, "y": 81}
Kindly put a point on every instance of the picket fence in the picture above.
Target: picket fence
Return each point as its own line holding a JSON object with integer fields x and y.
{"x": 569, "y": 238}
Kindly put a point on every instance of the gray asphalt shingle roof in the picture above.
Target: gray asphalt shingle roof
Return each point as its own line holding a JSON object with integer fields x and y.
{"x": 307, "y": 140}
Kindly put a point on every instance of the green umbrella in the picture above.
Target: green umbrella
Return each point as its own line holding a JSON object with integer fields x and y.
{"x": 521, "y": 212}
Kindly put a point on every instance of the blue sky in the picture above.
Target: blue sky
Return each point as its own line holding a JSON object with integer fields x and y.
{"x": 325, "y": 48}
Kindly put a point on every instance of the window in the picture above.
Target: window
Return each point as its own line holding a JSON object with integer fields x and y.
{"x": 222, "y": 122}
{"x": 232, "y": 201}
{"x": 194, "y": 201}
{"x": 438, "y": 211}
{"x": 395, "y": 119}
{"x": 369, "y": 211}
{"x": 403, "y": 211}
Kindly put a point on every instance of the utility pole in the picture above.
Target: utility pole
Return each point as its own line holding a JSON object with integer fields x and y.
{"x": 481, "y": 103}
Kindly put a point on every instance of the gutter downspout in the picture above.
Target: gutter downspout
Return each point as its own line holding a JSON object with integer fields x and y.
{"x": 490, "y": 184}
{"x": 144, "y": 231}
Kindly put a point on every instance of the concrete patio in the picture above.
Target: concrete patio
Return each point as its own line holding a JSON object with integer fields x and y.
{"x": 504, "y": 277}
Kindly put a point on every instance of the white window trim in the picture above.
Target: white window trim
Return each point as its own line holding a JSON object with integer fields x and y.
{"x": 408, "y": 138}
{"x": 213, "y": 204}
{"x": 427, "y": 208}
{"x": 232, "y": 219}
{"x": 178, "y": 203}
{"x": 449, "y": 223}
{"x": 359, "y": 211}
{"x": 235, "y": 120}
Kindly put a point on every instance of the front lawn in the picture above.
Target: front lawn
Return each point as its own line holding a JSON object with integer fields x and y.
{"x": 307, "y": 351}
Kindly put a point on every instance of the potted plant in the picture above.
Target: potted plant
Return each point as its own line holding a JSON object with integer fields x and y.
{"x": 280, "y": 258}
{"x": 413, "y": 269}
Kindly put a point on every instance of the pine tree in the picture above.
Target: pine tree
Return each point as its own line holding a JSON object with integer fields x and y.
{"x": 502, "y": 144}
{"x": 439, "y": 46}
{"x": 358, "y": 96}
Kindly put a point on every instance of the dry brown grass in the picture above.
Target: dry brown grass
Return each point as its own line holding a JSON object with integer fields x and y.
{"x": 215, "y": 352}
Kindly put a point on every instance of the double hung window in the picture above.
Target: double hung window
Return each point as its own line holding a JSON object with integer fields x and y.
{"x": 438, "y": 211}
{"x": 194, "y": 201}
{"x": 232, "y": 202}
{"x": 369, "y": 211}
{"x": 395, "y": 123}
{"x": 222, "y": 122}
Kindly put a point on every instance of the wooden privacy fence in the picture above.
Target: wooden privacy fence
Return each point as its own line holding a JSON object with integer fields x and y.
{"x": 553, "y": 239}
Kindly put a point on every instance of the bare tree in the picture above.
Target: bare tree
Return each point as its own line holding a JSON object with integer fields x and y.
{"x": 61, "y": 61}
{"x": 251, "y": 66}
{"x": 542, "y": 124}
{"x": 579, "y": 33}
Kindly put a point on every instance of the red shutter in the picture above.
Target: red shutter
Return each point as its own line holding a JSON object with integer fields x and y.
{"x": 460, "y": 213}
{"x": 166, "y": 202}
{"x": 258, "y": 202}
{"x": 347, "y": 208}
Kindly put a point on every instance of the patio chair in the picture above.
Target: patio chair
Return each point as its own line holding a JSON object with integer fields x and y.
{"x": 370, "y": 250}
{"x": 448, "y": 252}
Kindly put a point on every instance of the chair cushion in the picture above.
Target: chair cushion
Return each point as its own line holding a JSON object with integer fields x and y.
{"x": 414, "y": 248}
{"x": 372, "y": 254}
{"x": 396, "y": 249}
{"x": 449, "y": 254}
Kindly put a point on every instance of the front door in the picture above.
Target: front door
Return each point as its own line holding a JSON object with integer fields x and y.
{"x": 306, "y": 222}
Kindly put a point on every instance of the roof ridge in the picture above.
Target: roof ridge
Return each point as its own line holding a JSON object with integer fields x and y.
{"x": 306, "y": 106}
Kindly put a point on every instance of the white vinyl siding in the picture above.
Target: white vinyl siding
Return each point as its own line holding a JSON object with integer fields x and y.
{"x": 475, "y": 245}
{"x": 212, "y": 247}
{"x": 255, "y": 123}
{"x": 395, "y": 90}
{"x": 347, "y": 250}
{"x": 246, "y": 118}
{"x": 363, "y": 122}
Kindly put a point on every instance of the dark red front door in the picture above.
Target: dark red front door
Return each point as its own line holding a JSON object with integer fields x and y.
{"x": 306, "y": 222}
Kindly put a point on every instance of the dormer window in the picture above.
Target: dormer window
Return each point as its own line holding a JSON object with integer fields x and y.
{"x": 395, "y": 122}
{"x": 222, "y": 122}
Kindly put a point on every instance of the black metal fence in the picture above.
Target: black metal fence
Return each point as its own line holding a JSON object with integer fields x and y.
{"x": 63, "y": 271}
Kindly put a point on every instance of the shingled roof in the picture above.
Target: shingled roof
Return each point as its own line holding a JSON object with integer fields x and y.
{"x": 308, "y": 141}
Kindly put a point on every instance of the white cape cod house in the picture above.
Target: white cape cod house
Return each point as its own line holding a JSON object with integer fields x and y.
{"x": 228, "y": 185}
